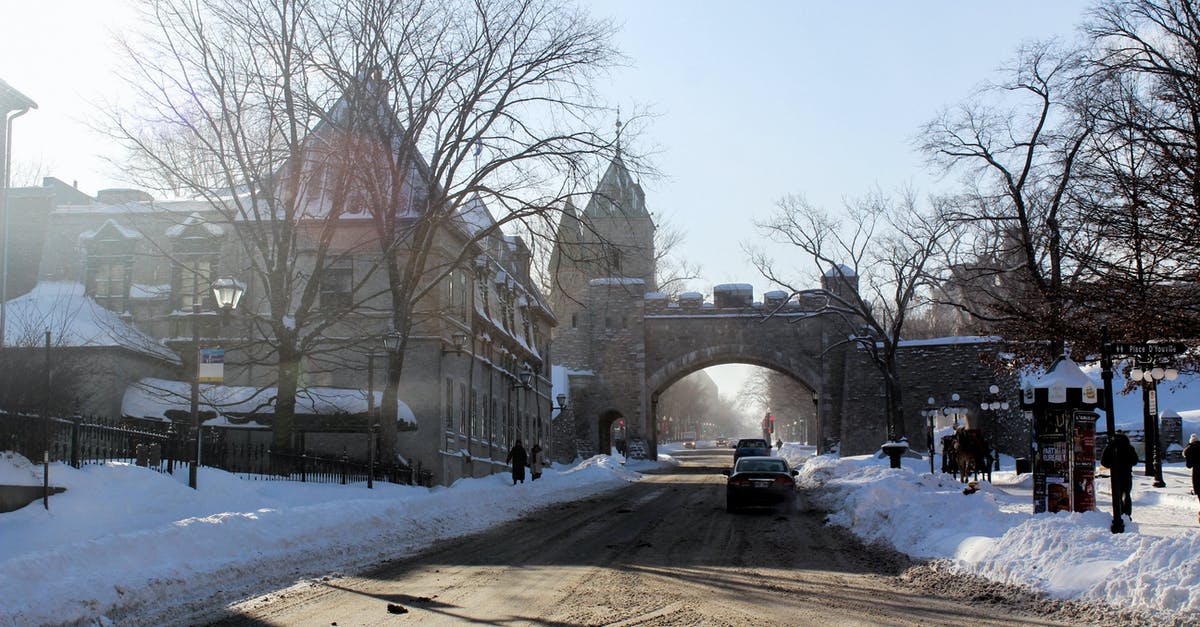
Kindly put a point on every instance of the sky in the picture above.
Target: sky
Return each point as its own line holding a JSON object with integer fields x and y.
{"x": 750, "y": 101}
{"x": 128, "y": 545}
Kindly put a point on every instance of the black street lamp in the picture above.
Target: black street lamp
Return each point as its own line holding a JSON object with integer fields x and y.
{"x": 1149, "y": 373}
{"x": 931, "y": 415}
{"x": 228, "y": 293}
{"x": 992, "y": 403}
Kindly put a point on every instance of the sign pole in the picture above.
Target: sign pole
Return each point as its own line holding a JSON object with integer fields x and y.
{"x": 1106, "y": 376}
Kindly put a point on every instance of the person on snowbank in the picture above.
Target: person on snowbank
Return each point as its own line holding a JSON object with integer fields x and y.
{"x": 1119, "y": 458}
{"x": 1191, "y": 457}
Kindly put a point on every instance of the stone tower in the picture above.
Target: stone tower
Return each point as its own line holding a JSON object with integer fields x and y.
{"x": 601, "y": 267}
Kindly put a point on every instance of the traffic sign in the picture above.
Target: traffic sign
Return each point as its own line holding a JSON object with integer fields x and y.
{"x": 1149, "y": 349}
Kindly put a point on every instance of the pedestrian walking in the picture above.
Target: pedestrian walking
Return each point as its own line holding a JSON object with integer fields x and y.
{"x": 1191, "y": 457}
{"x": 537, "y": 461}
{"x": 1119, "y": 457}
{"x": 518, "y": 458}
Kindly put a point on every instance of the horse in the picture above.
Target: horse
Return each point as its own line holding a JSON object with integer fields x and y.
{"x": 972, "y": 454}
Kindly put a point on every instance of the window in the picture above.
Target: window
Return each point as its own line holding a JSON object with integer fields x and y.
{"x": 574, "y": 321}
{"x": 195, "y": 277}
{"x": 195, "y": 247}
{"x": 456, "y": 294}
{"x": 337, "y": 285}
{"x": 463, "y": 408}
{"x": 109, "y": 264}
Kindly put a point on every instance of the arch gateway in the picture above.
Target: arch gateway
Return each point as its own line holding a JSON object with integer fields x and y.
{"x": 620, "y": 343}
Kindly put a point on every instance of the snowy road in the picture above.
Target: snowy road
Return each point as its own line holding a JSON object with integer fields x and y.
{"x": 660, "y": 551}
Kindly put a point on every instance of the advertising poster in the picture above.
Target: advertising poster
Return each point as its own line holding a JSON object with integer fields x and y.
{"x": 1083, "y": 456}
{"x": 1052, "y": 467}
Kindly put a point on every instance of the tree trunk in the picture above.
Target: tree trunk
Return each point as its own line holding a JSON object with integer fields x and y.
{"x": 288, "y": 375}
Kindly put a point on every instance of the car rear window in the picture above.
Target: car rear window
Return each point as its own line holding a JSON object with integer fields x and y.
{"x": 761, "y": 465}
{"x": 753, "y": 443}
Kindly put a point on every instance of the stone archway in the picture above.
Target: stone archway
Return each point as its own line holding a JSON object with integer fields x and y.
{"x": 658, "y": 382}
{"x": 604, "y": 430}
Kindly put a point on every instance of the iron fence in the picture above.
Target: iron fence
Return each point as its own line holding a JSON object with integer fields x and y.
{"x": 79, "y": 441}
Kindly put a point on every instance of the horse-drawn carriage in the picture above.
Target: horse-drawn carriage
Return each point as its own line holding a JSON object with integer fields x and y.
{"x": 966, "y": 454}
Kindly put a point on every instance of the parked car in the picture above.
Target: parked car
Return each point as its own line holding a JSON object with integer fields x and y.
{"x": 746, "y": 447}
{"x": 760, "y": 480}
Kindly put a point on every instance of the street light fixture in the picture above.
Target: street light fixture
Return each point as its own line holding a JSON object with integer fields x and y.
{"x": 1149, "y": 374}
{"x": 227, "y": 292}
{"x": 458, "y": 340}
{"x": 933, "y": 412}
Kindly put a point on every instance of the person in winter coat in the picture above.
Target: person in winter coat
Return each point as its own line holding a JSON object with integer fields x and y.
{"x": 537, "y": 461}
{"x": 1119, "y": 457}
{"x": 1191, "y": 457}
{"x": 518, "y": 458}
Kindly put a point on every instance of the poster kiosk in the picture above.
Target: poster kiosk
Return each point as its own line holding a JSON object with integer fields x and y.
{"x": 1061, "y": 406}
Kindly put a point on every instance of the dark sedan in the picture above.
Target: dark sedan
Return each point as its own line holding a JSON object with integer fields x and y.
{"x": 748, "y": 447}
{"x": 760, "y": 481}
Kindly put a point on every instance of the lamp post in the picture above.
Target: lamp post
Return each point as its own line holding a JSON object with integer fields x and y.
{"x": 933, "y": 412}
{"x": 227, "y": 292}
{"x": 1149, "y": 373}
{"x": 992, "y": 402}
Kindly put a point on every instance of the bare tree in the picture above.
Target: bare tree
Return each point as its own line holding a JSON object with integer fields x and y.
{"x": 1018, "y": 162}
{"x": 486, "y": 107}
{"x": 230, "y": 109}
{"x": 672, "y": 269}
{"x": 886, "y": 247}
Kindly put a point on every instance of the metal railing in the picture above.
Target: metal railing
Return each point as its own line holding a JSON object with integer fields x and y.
{"x": 79, "y": 441}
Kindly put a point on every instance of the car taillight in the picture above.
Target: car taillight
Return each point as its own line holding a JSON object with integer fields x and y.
{"x": 739, "y": 481}
{"x": 784, "y": 480}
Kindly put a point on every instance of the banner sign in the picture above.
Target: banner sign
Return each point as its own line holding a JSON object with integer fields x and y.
{"x": 212, "y": 365}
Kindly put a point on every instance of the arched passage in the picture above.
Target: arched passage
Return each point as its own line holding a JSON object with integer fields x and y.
{"x": 605, "y": 429}
{"x": 804, "y": 375}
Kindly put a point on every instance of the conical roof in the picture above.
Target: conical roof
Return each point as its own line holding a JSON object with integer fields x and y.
{"x": 618, "y": 194}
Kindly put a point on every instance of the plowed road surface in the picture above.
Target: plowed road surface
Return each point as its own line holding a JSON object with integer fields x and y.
{"x": 662, "y": 551}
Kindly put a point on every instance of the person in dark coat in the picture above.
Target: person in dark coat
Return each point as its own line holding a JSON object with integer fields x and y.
{"x": 1191, "y": 457}
{"x": 518, "y": 458}
{"x": 1119, "y": 458}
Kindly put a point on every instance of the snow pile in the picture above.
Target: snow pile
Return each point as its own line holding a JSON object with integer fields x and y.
{"x": 992, "y": 533}
{"x": 125, "y": 541}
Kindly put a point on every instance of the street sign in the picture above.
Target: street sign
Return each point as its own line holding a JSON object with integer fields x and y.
{"x": 212, "y": 365}
{"x": 1161, "y": 348}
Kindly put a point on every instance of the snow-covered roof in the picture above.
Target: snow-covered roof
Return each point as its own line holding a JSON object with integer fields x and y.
{"x": 475, "y": 216}
{"x": 74, "y": 320}
{"x": 734, "y": 287}
{"x": 954, "y": 339}
{"x": 775, "y": 295}
{"x": 1065, "y": 373}
{"x": 655, "y": 296}
{"x": 195, "y": 219}
{"x": 152, "y": 398}
{"x": 112, "y": 224}
{"x": 617, "y": 281}
{"x": 841, "y": 270}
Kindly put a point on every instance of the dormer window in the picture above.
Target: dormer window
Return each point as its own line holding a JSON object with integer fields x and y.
{"x": 109, "y": 264}
{"x": 337, "y": 285}
{"x": 195, "y": 249}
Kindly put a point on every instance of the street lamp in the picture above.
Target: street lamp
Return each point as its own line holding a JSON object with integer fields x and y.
{"x": 227, "y": 292}
{"x": 1149, "y": 373}
{"x": 992, "y": 402}
{"x": 933, "y": 412}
